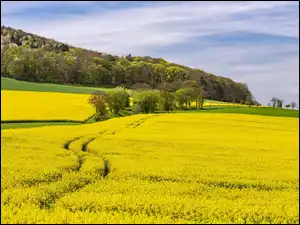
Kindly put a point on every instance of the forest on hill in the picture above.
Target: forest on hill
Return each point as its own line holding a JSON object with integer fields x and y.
{"x": 29, "y": 57}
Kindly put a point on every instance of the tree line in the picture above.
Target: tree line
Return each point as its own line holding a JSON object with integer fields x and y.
{"x": 30, "y": 57}
{"x": 278, "y": 103}
{"x": 117, "y": 101}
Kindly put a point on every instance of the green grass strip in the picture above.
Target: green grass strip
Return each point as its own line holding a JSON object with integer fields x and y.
{"x": 5, "y": 126}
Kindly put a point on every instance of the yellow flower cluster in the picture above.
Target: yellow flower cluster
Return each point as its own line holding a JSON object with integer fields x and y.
{"x": 28, "y": 105}
{"x": 167, "y": 168}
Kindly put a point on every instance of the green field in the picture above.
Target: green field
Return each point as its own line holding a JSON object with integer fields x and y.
{"x": 11, "y": 84}
{"x": 263, "y": 111}
{"x": 34, "y": 124}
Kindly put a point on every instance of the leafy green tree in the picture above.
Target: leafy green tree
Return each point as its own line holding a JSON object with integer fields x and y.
{"x": 200, "y": 101}
{"x": 255, "y": 102}
{"x": 190, "y": 95}
{"x": 167, "y": 101}
{"x": 274, "y": 102}
{"x": 166, "y": 86}
{"x": 146, "y": 101}
{"x": 180, "y": 98}
{"x": 175, "y": 73}
{"x": 249, "y": 101}
{"x": 197, "y": 94}
{"x": 117, "y": 100}
{"x": 184, "y": 96}
{"x": 159, "y": 73}
{"x": 293, "y": 105}
{"x": 279, "y": 103}
{"x": 191, "y": 84}
{"x": 99, "y": 101}
{"x": 176, "y": 85}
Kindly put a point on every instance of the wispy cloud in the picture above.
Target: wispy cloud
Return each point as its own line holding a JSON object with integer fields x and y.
{"x": 252, "y": 42}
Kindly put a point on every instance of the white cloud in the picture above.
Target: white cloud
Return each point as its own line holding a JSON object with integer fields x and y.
{"x": 148, "y": 28}
{"x": 8, "y": 7}
{"x": 119, "y": 30}
{"x": 266, "y": 76}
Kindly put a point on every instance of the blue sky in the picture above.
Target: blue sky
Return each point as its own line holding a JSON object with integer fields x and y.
{"x": 252, "y": 42}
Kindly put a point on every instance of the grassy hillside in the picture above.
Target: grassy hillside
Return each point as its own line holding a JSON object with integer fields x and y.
{"x": 34, "y": 124}
{"x": 12, "y": 84}
{"x": 167, "y": 168}
{"x": 263, "y": 111}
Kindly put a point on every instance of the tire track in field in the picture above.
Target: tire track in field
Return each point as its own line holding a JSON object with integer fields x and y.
{"x": 80, "y": 158}
{"x": 107, "y": 165}
{"x": 47, "y": 203}
{"x": 67, "y": 144}
{"x": 80, "y": 181}
{"x": 140, "y": 121}
{"x": 61, "y": 188}
{"x": 28, "y": 183}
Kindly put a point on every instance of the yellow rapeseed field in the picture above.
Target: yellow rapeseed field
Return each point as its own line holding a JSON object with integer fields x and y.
{"x": 163, "y": 168}
{"x": 227, "y": 104}
{"x": 30, "y": 105}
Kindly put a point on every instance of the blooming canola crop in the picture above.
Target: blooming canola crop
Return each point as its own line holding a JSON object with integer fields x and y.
{"x": 156, "y": 168}
{"x": 30, "y": 105}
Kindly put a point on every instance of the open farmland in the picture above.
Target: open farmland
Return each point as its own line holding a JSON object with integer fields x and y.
{"x": 165, "y": 168}
{"x": 24, "y": 109}
{"x": 28, "y": 104}
{"x": 41, "y": 106}
{"x": 17, "y": 85}
{"x": 263, "y": 111}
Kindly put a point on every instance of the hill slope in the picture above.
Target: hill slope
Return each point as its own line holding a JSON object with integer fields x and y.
{"x": 30, "y": 57}
{"x": 12, "y": 84}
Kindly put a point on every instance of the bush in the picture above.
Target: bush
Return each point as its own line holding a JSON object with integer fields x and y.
{"x": 99, "y": 101}
{"x": 118, "y": 100}
{"x": 146, "y": 101}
